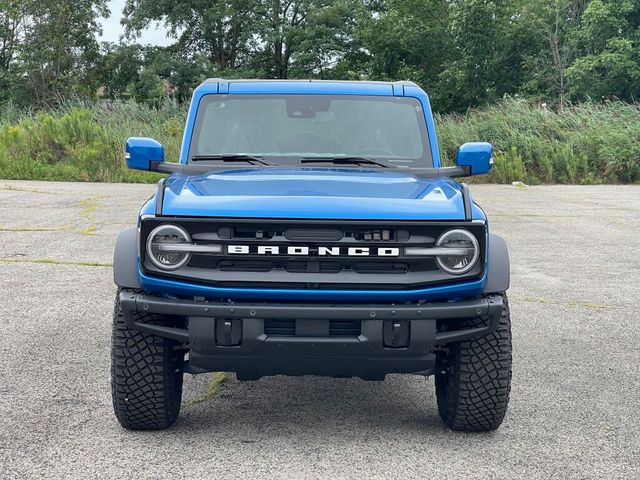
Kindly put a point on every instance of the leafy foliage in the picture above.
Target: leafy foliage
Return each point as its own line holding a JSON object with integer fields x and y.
{"x": 84, "y": 142}
{"x": 465, "y": 53}
{"x": 581, "y": 144}
{"x": 49, "y": 50}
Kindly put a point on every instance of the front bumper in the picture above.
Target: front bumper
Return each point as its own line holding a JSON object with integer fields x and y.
{"x": 229, "y": 336}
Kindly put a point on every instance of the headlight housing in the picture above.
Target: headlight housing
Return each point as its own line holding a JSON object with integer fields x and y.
{"x": 164, "y": 247}
{"x": 467, "y": 251}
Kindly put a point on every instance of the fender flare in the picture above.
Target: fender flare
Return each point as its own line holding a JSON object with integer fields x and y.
{"x": 125, "y": 260}
{"x": 499, "y": 275}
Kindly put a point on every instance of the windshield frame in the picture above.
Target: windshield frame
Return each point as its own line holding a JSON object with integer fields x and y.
{"x": 426, "y": 161}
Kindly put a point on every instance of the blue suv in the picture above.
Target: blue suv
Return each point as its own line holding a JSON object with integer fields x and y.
{"x": 309, "y": 228}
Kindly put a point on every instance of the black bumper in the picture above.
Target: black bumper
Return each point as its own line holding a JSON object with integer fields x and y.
{"x": 237, "y": 337}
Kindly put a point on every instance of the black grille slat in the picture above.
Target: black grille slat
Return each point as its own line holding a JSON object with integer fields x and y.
{"x": 242, "y": 266}
{"x": 280, "y": 328}
{"x": 313, "y": 235}
{"x": 344, "y": 328}
{"x": 313, "y": 266}
{"x": 287, "y": 327}
{"x": 389, "y": 267}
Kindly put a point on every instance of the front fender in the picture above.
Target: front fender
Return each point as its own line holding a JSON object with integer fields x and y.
{"x": 125, "y": 260}
{"x": 499, "y": 275}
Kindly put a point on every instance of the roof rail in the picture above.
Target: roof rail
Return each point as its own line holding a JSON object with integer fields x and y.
{"x": 405, "y": 83}
{"x": 214, "y": 80}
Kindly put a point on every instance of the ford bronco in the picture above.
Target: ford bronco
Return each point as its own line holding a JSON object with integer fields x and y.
{"x": 309, "y": 228}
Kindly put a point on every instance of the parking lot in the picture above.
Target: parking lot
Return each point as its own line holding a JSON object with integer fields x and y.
{"x": 575, "y": 405}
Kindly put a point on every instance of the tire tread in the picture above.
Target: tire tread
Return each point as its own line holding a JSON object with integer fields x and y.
{"x": 145, "y": 385}
{"x": 473, "y": 394}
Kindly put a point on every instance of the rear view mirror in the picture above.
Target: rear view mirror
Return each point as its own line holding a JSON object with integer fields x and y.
{"x": 141, "y": 152}
{"x": 477, "y": 157}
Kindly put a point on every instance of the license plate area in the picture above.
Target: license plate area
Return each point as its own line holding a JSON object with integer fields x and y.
{"x": 303, "y": 327}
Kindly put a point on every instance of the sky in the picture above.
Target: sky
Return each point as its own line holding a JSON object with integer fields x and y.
{"x": 111, "y": 28}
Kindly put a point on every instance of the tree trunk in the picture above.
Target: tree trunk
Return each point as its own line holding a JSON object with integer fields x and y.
{"x": 556, "y": 54}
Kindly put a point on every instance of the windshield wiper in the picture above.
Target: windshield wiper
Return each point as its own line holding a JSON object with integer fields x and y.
{"x": 344, "y": 160}
{"x": 232, "y": 157}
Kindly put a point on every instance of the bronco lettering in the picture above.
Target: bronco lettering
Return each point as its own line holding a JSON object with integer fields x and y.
{"x": 310, "y": 251}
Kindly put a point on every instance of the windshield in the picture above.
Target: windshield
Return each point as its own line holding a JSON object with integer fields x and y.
{"x": 286, "y": 128}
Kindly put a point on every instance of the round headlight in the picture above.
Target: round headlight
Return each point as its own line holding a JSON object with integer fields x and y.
{"x": 163, "y": 247}
{"x": 465, "y": 255}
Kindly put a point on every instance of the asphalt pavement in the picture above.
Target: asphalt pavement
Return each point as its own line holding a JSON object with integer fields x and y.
{"x": 575, "y": 404}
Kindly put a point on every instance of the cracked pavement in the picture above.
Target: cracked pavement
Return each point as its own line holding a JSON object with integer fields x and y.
{"x": 575, "y": 397}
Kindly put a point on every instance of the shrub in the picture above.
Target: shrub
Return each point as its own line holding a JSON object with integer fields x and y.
{"x": 586, "y": 143}
{"x": 85, "y": 142}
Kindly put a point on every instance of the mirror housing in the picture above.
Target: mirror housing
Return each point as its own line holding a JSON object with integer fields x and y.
{"x": 141, "y": 153}
{"x": 477, "y": 157}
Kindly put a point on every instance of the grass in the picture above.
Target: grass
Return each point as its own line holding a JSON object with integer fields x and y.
{"x": 584, "y": 144}
{"x": 88, "y": 207}
{"x": 211, "y": 390}
{"x": 30, "y": 229}
{"x": 572, "y": 303}
{"x": 84, "y": 142}
{"x": 24, "y": 189}
{"x": 52, "y": 261}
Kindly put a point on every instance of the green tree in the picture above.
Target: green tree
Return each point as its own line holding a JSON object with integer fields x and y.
{"x": 550, "y": 27}
{"x": 120, "y": 66}
{"x": 271, "y": 38}
{"x": 609, "y": 41}
{"x": 147, "y": 73}
{"x": 59, "y": 53}
{"x": 463, "y": 52}
{"x": 180, "y": 72}
{"x": 221, "y": 30}
{"x": 613, "y": 72}
{"x": 303, "y": 37}
{"x": 12, "y": 22}
{"x": 486, "y": 61}
{"x": 399, "y": 39}
{"x": 13, "y": 17}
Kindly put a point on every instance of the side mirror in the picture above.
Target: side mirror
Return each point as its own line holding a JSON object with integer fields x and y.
{"x": 477, "y": 157}
{"x": 140, "y": 152}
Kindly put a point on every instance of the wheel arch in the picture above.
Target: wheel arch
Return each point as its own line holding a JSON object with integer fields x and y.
{"x": 499, "y": 275}
{"x": 125, "y": 260}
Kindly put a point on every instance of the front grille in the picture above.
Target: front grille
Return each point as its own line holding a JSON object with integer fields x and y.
{"x": 344, "y": 328}
{"x": 287, "y": 328}
{"x": 300, "y": 266}
{"x": 313, "y": 271}
{"x": 280, "y": 328}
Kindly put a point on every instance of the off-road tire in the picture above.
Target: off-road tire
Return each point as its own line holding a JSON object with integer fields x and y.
{"x": 473, "y": 391}
{"x": 146, "y": 385}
